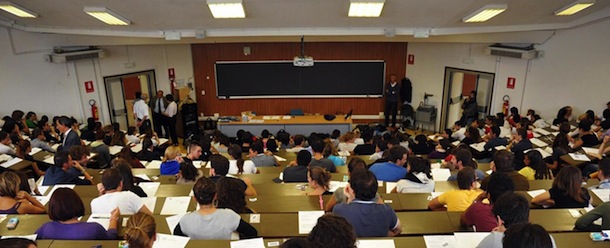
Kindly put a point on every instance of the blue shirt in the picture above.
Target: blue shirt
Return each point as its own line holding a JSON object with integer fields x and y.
{"x": 368, "y": 218}
{"x": 388, "y": 171}
{"x": 170, "y": 167}
{"x": 56, "y": 175}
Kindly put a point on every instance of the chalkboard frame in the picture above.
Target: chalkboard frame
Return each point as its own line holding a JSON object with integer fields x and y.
{"x": 378, "y": 93}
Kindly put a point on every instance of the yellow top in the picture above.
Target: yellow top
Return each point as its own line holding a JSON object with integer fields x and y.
{"x": 459, "y": 200}
{"x": 528, "y": 173}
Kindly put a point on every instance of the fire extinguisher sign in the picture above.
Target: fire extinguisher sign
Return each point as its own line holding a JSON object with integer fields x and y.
{"x": 89, "y": 86}
{"x": 510, "y": 83}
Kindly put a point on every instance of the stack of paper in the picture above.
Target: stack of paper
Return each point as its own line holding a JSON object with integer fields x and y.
{"x": 286, "y": 117}
{"x": 307, "y": 220}
{"x": 441, "y": 174}
{"x": 175, "y": 205}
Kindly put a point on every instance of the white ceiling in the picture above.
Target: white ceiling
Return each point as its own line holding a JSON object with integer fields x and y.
{"x": 289, "y": 18}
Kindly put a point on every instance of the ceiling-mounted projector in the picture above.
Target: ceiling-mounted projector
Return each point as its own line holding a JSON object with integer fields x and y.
{"x": 306, "y": 61}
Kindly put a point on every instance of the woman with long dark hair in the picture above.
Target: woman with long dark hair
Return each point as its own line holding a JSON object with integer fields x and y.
{"x": 566, "y": 192}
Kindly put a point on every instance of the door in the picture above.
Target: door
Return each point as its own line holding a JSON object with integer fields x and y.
{"x": 458, "y": 84}
{"x": 121, "y": 89}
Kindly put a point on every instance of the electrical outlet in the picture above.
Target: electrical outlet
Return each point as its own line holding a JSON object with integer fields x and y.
{"x": 203, "y": 92}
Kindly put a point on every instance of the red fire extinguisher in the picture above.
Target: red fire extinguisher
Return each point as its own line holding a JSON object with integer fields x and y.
{"x": 94, "y": 113}
{"x": 505, "y": 105}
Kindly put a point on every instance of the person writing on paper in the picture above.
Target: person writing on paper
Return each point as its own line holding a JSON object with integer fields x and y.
{"x": 219, "y": 169}
{"x": 129, "y": 183}
{"x": 535, "y": 167}
{"x": 332, "y": 231}
{"x": 171, "y": 161}
{"x": 510, "y": 210}
{"x": 394, "y": 169}
{"x": 319, "y": 181}
{"x": 603, "y": 175}
{"x": 15, "y": 201}
{"x": 479, "y": 214}
{"x": 586, "y": 222}
{"x": 66, "y": 171}
{"x": 458, "y": 200}
{"x": 114, "y": 196}
{"x": 368, "y": 218}
{"x": 210, "y": 222}
{"x": 566, "y": 191}
{"x": 418, "y": 180}
{"x": 141, "y": 231}
{"x": 503, "y": 163}
{"x": 65, "y": 209}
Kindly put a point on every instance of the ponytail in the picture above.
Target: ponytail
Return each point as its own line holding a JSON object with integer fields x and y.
{"x": 141, "y": 229}
{"x": 240, "y": 165}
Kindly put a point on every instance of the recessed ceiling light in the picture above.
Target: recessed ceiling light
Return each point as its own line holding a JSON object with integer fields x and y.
{"x": 574, "y": 7}
{"x": 105, "y": 15}
{"x": 227, "y": 8}
{"x": 17, "y": 10}
{"x": 365, "y": 8}
{"x": 485, "y": 13}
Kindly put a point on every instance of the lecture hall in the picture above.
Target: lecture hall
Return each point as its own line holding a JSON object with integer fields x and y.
{"x": 266, "y": 123}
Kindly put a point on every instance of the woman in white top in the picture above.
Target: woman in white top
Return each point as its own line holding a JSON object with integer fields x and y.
{"x": 237, "y": 165}
{"x": 418, "y": 180}
{"x": 347, "y": 142}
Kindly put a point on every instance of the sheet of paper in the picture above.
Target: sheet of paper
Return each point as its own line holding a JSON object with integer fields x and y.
{"x": 43, "y": 199}
{"x": 163, "y": 141}
{"x": 71, "y": 186}
{"x": 266, "y": 117}
{"x": 102, "y": 219}
{"x": 278, "y": 158}
{"x": 389, "y": 186}
{"x": 455, "y": 143}
{"x": 469, "y": 239}
{"x": 286, "y": 117}
{"x": 434, "y": 195}
{"x": 275, "y": 117}
{"x": 579, "y": 157}
{"x": 543, "y": 152}
{"x": 172, "y": 221}
{"x": 554, "y": 127}
{"x": 143, "y": 176}
{"x": 375, "y": 243}
{"x": 307, "y": 220}
{"x": 198, "y": 164}
{"x": 542, "y": 131}
{"x": 538, "y": 142}
{"x": 480, "y": 147}
{"x": 432, "y": 137}
{"x": 137, "y": 148}
{"x": 30, "y": 237}
{"x": 55, "y": 146}
{"x": 11, "y": 162}
{"x": 489, "y": 172}
{"x": 150, "y": 188}
{"x": 439, "y": 241}
{"x": 115, "y": 149}
{"x": 536, "y": 135}
{"x": 534, "y": 193}
{"x": 591, "y": 150}
{"x": 554, "y": 133}
{"x": 441, "y": 174}
{"x": 150, "y": 202}
{"x": 572, "y": 127}
{"x": 3, "y": 217}
{"x": 175, "y": 205}
{"x": 343, "y": 153}
{"x": 602, "y": 194}
{"x": 49, "y": 160}
{"x": 248, "y": 243}
{"x": 334, "y": 185}
{"x": 435, "y": 165}
{"x": 34, "y": 151}
{"x": 155, "y": 164}
{"x": 164, "y": 241}
{"x": 43, "y": 189}
{"x": 500, "y": 148}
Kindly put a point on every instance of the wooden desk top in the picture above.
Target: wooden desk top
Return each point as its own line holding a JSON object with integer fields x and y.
{"x": 294, "y": 120}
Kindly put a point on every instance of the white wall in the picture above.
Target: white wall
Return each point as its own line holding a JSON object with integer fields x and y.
{"x": 30, "y": 84}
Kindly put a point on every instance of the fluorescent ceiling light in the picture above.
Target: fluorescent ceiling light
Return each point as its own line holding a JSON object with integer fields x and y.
{"x": 17, "y": 10}
{"x": 574, "y": 7}
{"x": 485, "y": 13}
{"x": 227, "y": 8}
{"x": 365, "y": 8}
{"x": 105, "y": 15}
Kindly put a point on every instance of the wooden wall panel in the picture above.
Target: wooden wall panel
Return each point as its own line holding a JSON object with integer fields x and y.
{"x": 205, "y": 55}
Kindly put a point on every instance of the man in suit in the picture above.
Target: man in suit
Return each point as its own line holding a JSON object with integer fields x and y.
{"x": 69, "y": 138}
{"x": 159, "y": 104}
{"x": 392, "y": 90}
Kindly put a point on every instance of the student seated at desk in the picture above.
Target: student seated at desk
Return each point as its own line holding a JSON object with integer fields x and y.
{"x": 237, "y": 165}
{"x": 5, "y": 144}
{"x": 587, "y": 137}
{"x": 132, "y": 135}
{"x": 330, "y": 152}
{"x": 586, "y": 222}
{"x": 231, "y": 195}
{"x": 368, "y": 218}
{"x": 527, "y": 235}
{"x": 299, "y": 144}
{"x": 494, "y": 140}
{"x": 471, "y": 136}
{"x": 113, "y": 196}
{"x": 339, "y": 196}
{"x": 15, "y": 201}
{"x": 457, "y": 133}
{"x": 603, "y": 175}
{"x": 66, "y": 171}
{"x": 103, "y": 152}
{"x": 219, "y": 167}
{"x": 210, "y": 222}
{"x": 259, "y": 157}
{"x": 17, "y": 243}
{"x": 368, "y": 147}
{"x": 40, "y": 141}
{"x": 65, "y": 207}
{"x": 418, "y": 179}
{"x": 171, "y": 161}
{"x": 503, "y": 163}
{"x": 129, "y": 183}
{"x": 535, "y": 167}
{"x": 561, "y": 146}
{"x": 518, "y": 146}
{"x": 297, "y": 172}
{"x": 332, "y": 231}
{"x": 394, "y": 169}
{"x": 420, "y": 145}
{"x": 141, "y": 231}
{"x": 127, "y": 155}
{"x": 479, "y": 214}
{"x": 458, "y": 200}
{"x": 347, "y": 142}
{"x": 319, "y": 181}
{"x": 148, "y": 153}
{"x": 566, "y": 192}
{"x": 23, "y": 152}
{"x": 462, "y": 158}
{"x": 318, "y": 160}
{"x": 441, "y": 150}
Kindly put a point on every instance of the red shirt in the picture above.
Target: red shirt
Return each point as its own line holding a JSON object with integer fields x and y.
{"x": 480, "y": 216}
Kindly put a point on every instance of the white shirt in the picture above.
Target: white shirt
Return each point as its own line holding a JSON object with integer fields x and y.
{"x": 140, "y": 109}
{"x": 459, "y": 134}
{"x": 347, "y": 146}
{"x": 171, "y": 110}
{"x": 4, "y": 149}
{"x": 249, "y": 167}
{"x": 66, "y": 136}
{"x": 132, "y": 139}
{"x": 126, "y": 201}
